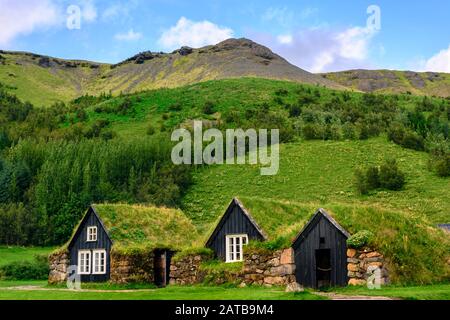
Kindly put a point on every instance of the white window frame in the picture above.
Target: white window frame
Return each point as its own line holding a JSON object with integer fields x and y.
{"x": 86, "y": 266}
{"x": 92, "y": 234}
{"x": 234, "y": 247}
{"x": 94, "y": 263}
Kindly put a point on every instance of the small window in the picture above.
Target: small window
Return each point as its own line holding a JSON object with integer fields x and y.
{"x": 235, "y": 247}
{"x": 322, "y": 240}
{"x": 84, "y": 262}
{"x": 91, "y": 234}
{"x": 99, "y": 262}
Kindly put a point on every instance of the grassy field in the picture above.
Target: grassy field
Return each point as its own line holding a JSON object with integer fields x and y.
{"x": 39, "y": 290}
{"x": 17, "y": 254}
{"x": 321, "y": 172}
{"x": 170, "y": 293}
{"x": 434, "y": 292}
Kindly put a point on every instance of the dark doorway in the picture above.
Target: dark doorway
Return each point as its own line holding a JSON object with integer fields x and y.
{"x": 161, "y": 267}
{"x": 323, "y": 268}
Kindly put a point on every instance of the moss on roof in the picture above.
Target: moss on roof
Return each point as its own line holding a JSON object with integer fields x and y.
{"x": 417, "y": 251}
{"x": 133, "y": 226}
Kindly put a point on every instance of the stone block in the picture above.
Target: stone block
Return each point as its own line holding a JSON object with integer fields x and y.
{"x": 287, "y": 256}
{"x": 356, "y": 282}
{"x": 373, "y": 254}
{"x": 351, "y": 253}
{"x": 352, "y": 260}
{"x": 352, "y": 267}
{"x": 294, "y": 287}
{"x": 273, "y": 280}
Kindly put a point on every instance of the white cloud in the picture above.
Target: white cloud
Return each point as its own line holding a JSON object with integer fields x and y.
{"x": 193, "y": 34}
{"x": 440, "y": 62}
{"x": 128, "y": 36}
{"x": 25, "y": 16}
{"x": 88, "y": 10}
{"x": 283, "y": 16}
{"x": 323, "y": 50}
{"x": 111, "y": 11}
{"x": 285, "y": 39}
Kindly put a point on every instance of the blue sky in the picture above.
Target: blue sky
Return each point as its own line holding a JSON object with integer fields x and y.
{"x": 319, "y": 36}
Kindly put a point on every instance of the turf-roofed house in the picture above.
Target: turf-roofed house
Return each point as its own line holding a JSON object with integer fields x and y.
{"x": 269, "y": 242}
{"x": 234, "y": 230}
{"x": 319, "y": 255}
{"x": 123, "y": 243}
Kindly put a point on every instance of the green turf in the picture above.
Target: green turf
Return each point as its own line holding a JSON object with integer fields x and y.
{"x": 321, "y": 172}
{"x": 13, "y": 253}
{"x": 169, "y": 293}
{"x": 433, "y": 292}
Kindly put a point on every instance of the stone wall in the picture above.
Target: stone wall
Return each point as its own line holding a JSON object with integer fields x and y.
{"x": 58, "y": 265}
{"x": 364, "y": 265}
{"x": 269, "y": 267}
{"x": 261, "y": 267}
{"x": 132, "y": 267}
{"x": 186, "y": 270}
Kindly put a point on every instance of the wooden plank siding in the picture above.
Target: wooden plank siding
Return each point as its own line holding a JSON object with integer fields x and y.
{"x": 309, "y": 241}
{"x": 79, "y": 242}
{"x": 235, "y": 221}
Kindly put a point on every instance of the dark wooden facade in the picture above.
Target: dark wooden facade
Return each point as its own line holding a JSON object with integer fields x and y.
{"x": 321, "y": 253}
{"x": 161, "y": 266}
{"x": 79, "y": 242}
{"x": 236, "y": 220}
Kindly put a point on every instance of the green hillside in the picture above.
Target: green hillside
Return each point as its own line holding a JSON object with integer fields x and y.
{"x": 321, "y": 172}
{"x": 391, "y": 81}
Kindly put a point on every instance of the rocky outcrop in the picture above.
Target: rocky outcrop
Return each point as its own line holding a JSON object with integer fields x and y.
{"x": 58, "y": 265}
{"x": 366, "y": 266}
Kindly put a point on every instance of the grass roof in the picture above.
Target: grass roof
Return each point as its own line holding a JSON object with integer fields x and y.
{"x": 417, "y": 251}
{"x": 134, "y": 226}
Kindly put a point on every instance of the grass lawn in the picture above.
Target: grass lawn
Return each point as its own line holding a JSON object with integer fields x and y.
{"x": 12, "y": 254}
{"x": 169, "y": 293}
{"x": 432, "y": 292}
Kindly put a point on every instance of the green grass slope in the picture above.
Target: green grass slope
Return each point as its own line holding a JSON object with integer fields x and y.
{"x": 319, "y": 174}
{"x": 322, "y": 172}
{"x": 389, "y": 81}
{"x": 9, "y": 254}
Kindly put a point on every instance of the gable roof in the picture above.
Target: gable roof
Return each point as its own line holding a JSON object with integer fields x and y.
{"x": 134, "y": 226}
{"x": 319, "y": 213}
{"x": 80, "y": 225}
{"x": 228, "y": 211}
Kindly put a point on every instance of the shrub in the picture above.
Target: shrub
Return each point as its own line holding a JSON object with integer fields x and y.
{"x": 208, "y": 108}
{"x": 373, "y": 178}
{"x": 391, "y": 177}
{"x": 441, "y": 165}
{"x": 294, "y": 111}
{"x": 151, "y": 130}
{"x": 348, "y": 131}
{"x": 312, "y": 131}
{"x": 412, "y": 140}
{"x": 175, "y": 107}
{"x": 360, "y": 239}
{"x": 388, "y": 176}
{"x": 26, "y": 270}
{"x": 363, "y": 130}
{"x": 361, "y": 182}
